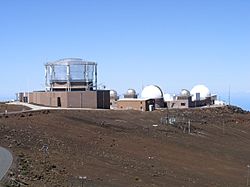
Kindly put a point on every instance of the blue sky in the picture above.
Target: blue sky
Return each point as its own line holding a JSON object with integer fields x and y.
{"x": 175, "y": 44}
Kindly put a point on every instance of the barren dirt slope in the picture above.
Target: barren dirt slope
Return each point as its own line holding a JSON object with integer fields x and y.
{"x": 128, "y": 148}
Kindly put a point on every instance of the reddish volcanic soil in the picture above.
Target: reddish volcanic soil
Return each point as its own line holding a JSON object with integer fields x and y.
{"x": 127, "y": 148}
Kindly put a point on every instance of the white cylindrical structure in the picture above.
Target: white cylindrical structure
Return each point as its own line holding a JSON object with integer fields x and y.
{"x": 200, "y": 92}
{"x": 151, "y": 108}
{"x": 71, "y": 74}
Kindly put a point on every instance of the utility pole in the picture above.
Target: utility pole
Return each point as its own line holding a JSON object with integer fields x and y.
{"x": 229, "y": 95}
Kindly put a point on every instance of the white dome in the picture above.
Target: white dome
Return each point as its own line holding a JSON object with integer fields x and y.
{"x": 203, "y": 90}
{"x": 185, "y": 92}
{"x": 151, "y": 92}
{"x": 131, "y": 92}
{"x": 113, "y": 94}
{"x": 167, "y": 97}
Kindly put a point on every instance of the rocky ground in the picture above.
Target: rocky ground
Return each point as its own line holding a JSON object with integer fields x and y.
{"x": 195, "y": 147}
{"x": 11, "y": 108}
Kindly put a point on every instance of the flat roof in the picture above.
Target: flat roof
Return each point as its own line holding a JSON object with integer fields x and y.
{"x": 133, "y": 99}
{"x": 71, "y": 61}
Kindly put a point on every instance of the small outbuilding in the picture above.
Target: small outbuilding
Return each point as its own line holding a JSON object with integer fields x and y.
{"x": 136, "y": 104}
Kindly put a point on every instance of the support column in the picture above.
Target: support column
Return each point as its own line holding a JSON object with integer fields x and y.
{"x": 68, "y": 78}
{"x": 52, "y": 76}
{"x": 95, "y": 86}
{"x": 46, "y": 78}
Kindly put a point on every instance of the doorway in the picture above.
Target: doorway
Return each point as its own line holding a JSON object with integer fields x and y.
{"x": 59, "y": 104}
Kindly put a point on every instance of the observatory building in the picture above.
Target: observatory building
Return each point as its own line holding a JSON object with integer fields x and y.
{"x": 71, "y": 83}
{"x": 183, "y": 100}
{"x": 201, "y": 96}
{"x": 200, "y": 92}
{"x": 71, "y": 74}
{"x": 153, "y": 92}
{"x": 132, "y": 102}
{"x": 151, "y": 98}
{"x": 198, "y": 97}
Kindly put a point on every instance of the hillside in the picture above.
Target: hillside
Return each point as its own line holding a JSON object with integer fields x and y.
{"x": 128, "y": 148}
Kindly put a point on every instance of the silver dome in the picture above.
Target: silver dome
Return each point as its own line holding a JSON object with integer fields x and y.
{"x": 131, "y": 92}
{"x": 185, "y": 92}
{"x": 113, "y": 94}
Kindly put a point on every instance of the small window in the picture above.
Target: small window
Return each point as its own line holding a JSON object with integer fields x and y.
{"x": 183, "y": 104}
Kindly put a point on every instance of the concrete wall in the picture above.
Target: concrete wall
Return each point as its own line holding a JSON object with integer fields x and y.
{"x": 135, "y": 104}
{"x": 186, "y": 102}
{"x": 78, "y": 99}
{"x": 49, "y": 98}
{"x": 89, "y": 99}
{"x": 178, "y": 104}
{"x": 74, "y": 100}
